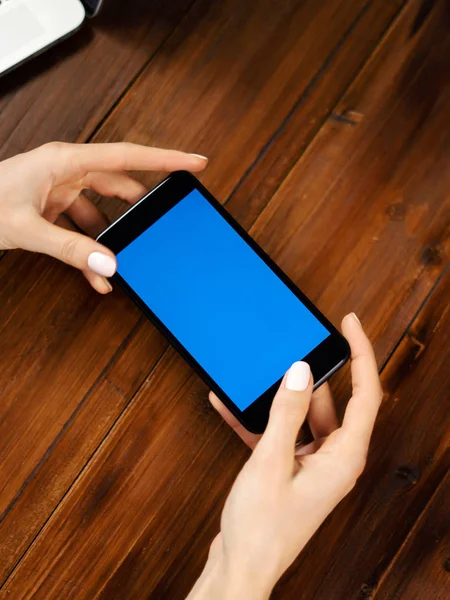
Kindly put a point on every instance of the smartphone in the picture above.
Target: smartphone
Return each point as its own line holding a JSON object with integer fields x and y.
{"x": 231, "y": 312}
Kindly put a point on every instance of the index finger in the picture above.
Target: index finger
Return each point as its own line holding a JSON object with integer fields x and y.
{"x": 80, "y": 159}
{"x": 362, "y": 409}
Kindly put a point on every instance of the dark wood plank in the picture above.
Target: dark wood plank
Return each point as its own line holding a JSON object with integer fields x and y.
{"x": 38, "y": 430}
{"x": 362, "y": 221}
{"x": 421, "y": 570}
{"x": 304, "y": 121}
{"x": 408, "y": 459}
{"x": 65, "y": 92}
{"x": 239, "y": 79}
{"x": 157, "y": 505}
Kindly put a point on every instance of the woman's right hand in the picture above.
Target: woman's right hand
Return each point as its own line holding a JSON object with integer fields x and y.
{"x": 283, "y": 493}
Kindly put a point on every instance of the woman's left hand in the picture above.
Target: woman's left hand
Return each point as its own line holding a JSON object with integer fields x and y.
{"x": 37, "y": 187}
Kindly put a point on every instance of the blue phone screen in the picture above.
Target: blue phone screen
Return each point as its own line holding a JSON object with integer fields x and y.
{"x": 230, "y": 311}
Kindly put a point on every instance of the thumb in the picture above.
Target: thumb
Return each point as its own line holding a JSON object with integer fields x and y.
{"x": 288, "y": 413}
{"x": 73, "y": 248}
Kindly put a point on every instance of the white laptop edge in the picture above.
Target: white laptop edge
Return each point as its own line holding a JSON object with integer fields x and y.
{"x": 28, "y": 27}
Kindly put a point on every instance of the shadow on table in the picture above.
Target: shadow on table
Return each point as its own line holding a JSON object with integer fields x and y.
{"x": 123, "y": 17}
{"x": 125, "y": 20}
{"x": 45, "y": 61}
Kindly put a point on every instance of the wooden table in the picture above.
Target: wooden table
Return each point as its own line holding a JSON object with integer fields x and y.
{"x": 327, "y": 128}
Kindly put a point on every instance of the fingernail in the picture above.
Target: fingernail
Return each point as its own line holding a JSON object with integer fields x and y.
{"x": 199, "y": 156}
{"x": 108, "y": 285}
{"x": 102, "y": 264}
{"x": 298, "y": 377}
{"x": 356, "y": 318}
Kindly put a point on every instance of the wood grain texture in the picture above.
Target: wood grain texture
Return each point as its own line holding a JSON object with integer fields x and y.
{"x": 421, "y": 570}
{"x": 138, "y": 520}
{"x": 366, "y": 206}
{"x": 159, "y": 481}
{"x": 64, "y": 93}
{"x": 232, "y": 78}
{"x": 69, "y": 361}
{"x": 409, "y": 457}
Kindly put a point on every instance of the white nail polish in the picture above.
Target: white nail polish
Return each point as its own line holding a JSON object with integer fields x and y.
{"x": 355, "y": 317}
{"x": 102, "y": 264}
{"x": 199, "y": 156}
{"x": 298, "y": 377}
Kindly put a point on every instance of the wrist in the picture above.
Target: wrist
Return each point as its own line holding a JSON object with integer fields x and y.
{"x": 223, "y": 581}
{"x": 243, "y": 582}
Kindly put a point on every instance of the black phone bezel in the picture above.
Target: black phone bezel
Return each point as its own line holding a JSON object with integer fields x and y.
{"x": 324, "y": 360}
{"x": 92, "y": 7}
